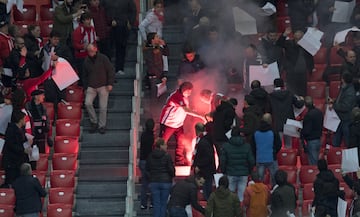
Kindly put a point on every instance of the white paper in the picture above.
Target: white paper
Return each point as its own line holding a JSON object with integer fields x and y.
{"x": 2, "y": 142}
{"x": 5, "y": 114}
{"x": 161, "y": 89}
{"x": 64, "y": 75}
{"x": 29, "y": 136}
{"x": 311, "y": 40}
{"x": 47, "y": 59}
{"x": 294, "y": 123}
{"x": 165, "y": 63}
{"x": 291, "y": 130}
{"x": 228, "y": 134}
{"x": 266, "y": 75}
{"x": 350, "y": 160}
{"x": 217, "y": 176}
{"x": 341, "y": 207}
{"x": 298, "y": 111}
{"x": 343, "y": 11}
{"x": 268, "y": 9}
{"x": 244, "y": 23}
{"x": 340, "y": 37}
{"x": 331, "y": 120}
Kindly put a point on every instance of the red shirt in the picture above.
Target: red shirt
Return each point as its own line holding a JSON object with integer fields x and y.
{"x": 173, "y": 113}
{"x": 83, "y": 36}
{"x": 6, "y": 45}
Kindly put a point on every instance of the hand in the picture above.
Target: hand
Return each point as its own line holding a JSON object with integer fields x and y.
{"x": 54, "y": 57}
{"x": 78, "y": 13}
{"x": 30, "y": 141}
{"x": 264, "y": 65}
{"x": 27, "y": 73}
{"x": 128, "y": 25}
{"x": 37, "y": 53}
{"x": 109, "y": 88}
{"x": 23, "y": 51}
{"x": 28, "y": 150}
{"x": 113, "y": 23}
{"x": 161, "y": 42}
{"x": 332, "y": 9}
{"x": 163, "y": 80}
{"x": 287, "y": 31}
{"x": 197, "y": 169}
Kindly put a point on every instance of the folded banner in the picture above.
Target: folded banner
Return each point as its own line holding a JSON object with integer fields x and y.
{"x": 350, "y": 160}
{"x": 63, "y": 74}
{"x": 161, "y": 89}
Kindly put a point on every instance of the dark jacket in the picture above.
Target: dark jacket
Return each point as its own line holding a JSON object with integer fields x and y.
{"x": 187, "y": 68}
{"x": 223, "y": 203}
{"x": 236, "y": 158}
{"x": 153, "y": 60}
{"x": 62, "y": 50}
{"x": 263, "y": 145}
{"x": 34, "y": 63}
{"x": 204, "y": 156}
{"x": 121, "y": 11}
{"x": 98, "y": 71}
{"x": 312, "y": 124}
{"x": 282, "y": 102}
{"x": 299, "y": 11}
{"x": 261, "y": 99}
{"x": 283, "y": 199}
{"x": 16, "y": 63}
{"x": 353, "y": 20}
{"x": 63, "y": 22}
{"x": 323, "y": 12}
{"x": 160, "y": 166}
{"x": 271, "y": 52}
{"x": 223, "y": 119}
{"x": 146, "y": 144}
{"x": 28, "y": 192}
{"x": 184, "y": 193}
{"x": 345, "y": 102}
{"x": 354, "y": 140}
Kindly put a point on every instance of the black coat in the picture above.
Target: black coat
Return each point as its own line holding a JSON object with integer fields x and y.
{"x": 187, "y": 68}
{"x": 323, "y": 13}
{"x": 299, "y": 11}
{"x": 204, "y": 157}
{"x": 345, "y": 102}
{"x": 354, "y": 139}
{"x": 283, "y": 199}
{"x": 34, "y": 63}
{"x": 271, "y": 52}
{"x": 121, "y": 11}
{"x": 28, "y": 192}
{"x": 160, "y": 167}
{"x": 223, "y": 118}
{"x": 312, "y": 124}
{"x": 146, "y": 144}
{"x": 261, "y": 99}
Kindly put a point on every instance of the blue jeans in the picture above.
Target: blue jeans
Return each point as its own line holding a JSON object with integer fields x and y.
{"x": 343, "y": 130}
{"x": 313, "y": 147}
{"x": 144, "y": 183}
{"x": 160, "y": 194}
{"x": 239, "y": 183}
{"x": 272, "y": 166}
{"x": 207, "y": 187}
{"x": 35, "y": 214}
{"x": 177, "y": 212}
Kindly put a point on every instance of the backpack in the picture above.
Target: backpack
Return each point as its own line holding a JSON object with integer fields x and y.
{"x": 258, "y": 200}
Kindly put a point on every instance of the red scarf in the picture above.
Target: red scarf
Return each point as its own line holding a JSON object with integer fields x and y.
{"x": 160, "y": 16}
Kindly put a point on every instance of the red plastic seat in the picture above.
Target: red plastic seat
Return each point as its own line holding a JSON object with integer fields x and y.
{"x": 308, "y": 174}
{"x": 320, "y": 104}
{"x": 2, "y": 176}
{"x": 321, "y": 56}
{"x": 7, "y": 196}
{"x": 43, "y": 162}
{"x": 75, "y": 94}
{"x": 64, "y": 161}
{"x": 334, "y": 155}
{"x": 317, "y": 73}
{"x": 334, "y": 89}
{"x": 62, "y": 178}
{"x": 287, "y": 157}
{"x": 304, "y": 158}
{"x": 291, "y": 173}
{"x": 305, "y": 208}
{"x": 66, "y": 144}
{"x": 7, "y": 210}
{"x": 46, "y": 13}
{"x": 61, "y": 195}
{"x": 282, "y": 8}
{"x": 68, "y": 127}
{"x": 28, "y": 14}
{"x": 59, "y": 210}
{"x": 335, "y": 59}
{"x": 316, "y": 89}
{"x": 46, "y": 28}
{"x": 283, "y": 23}
{"x": 308, "y": 191}
{"x": 22, "y": 27}
{"x": 196, "y": 213}
{"x": 41, "y": 176}
{"x": 49, "y": 110}
{"x": 70, "y": 111}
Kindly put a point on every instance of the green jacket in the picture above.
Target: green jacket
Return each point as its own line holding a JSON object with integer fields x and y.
{"x": 223, "y": 203}
{"x": 63, "y": 22}
{"x": 236, "y": 158}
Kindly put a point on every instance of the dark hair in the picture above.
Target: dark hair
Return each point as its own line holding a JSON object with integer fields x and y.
{"x": 309, "y": 101}
{"x": 271, "y": 29}
{"x": 18, "y": 97}
{"x": 55, "y": 33}
{"x": 322, "y": 165}
{"x": 255, "y": 176}
{"x": 188, "y": 48}
{"x": 280, "y": 177}
{"x": 255, "y": 84}
{"x": 159, "y": 142}
{"x": 31, "y": 27}
{"x": 278, "y": 82}
{"x": 186, "y": 86}
{"x": 25, "y": 169}
{"x": 85, "y": 16}
{"x": 233, "y": 101}
{"x": 200, "y": 127}
{"x": 206, "y": 93}
{"x": 235, "y": 131}
{"x": 157, "y": 2}
{"x": 17, "y": 115}
{"x": 150, "y": 36}
{"x": 347, "y": 77}
{"x": 224, "y": 181}
{"x": 213, "y": 29}
{"x": 149, "y": 124}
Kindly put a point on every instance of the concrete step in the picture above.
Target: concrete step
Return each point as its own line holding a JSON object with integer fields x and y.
{"x": 112, "y": 139}
{"x": 109, "y": 189}
{"x": 101, "y": 153}
{"x": 102, "y": 173}
{"x": 115, "y": 105}
{"x": 104, "y": 207}
{"x": 115, "y": 121}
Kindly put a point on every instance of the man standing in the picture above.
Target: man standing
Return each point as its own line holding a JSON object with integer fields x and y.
{"x": 172, "y": 119}
{"x": 312, "y": 129}
{"x": 98, "y": 80}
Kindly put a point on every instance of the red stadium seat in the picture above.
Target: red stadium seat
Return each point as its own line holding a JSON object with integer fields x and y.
{"x": 49, "y": 110}
{"x": 2, "y": 176}
{"x": 283, "y": 23}
{"x": 308, "y": 174}
{"x": 7, "y": 196}
{"x": 68, "y": 127}
{"x": 349, "y": 194}
{"x": 62, "y": 178}
{"x": 287, "y": 157}
{"x": 316, "y": 89}
{"x": 59, "y": 210}
{"x": 334, "y": 155}
{"x": 282, "y": 8}
{"x": 70, "y": 111}
{"x": 43, "y": 162}
{"x": 321, "y": 56}
{"x": 334, "y": 89}
{"x": 317, "y": 73}
{"x": 320, "y": 104}
{"x": 22, "y": 28}
{"x": 305, "y": 208}
{"x": 308, "y": 192}
{"x": 64, "y": 161}
{"x": 61, "y": 195}
{"x": 304, "y": 157}
{"x": 28, "y": 14}
{"x": 46, "y": 13}
{"x": 46, "y": 28}
{"x": 335, "y": 59}
{"x": 41, "y": 176}
{"x": 75, "y": 94}
{"x": 291, "y": 172}
{"x": 7, "y": 210}
{"x": 196, "y": 213}
{"x": 66, "y": 144}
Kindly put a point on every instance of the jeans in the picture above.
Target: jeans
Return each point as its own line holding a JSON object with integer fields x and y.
{"x": 207, "y": 187}
{"x": 35, "y": 214}
{"x": 272, "y": 166}
{"x": 144, "y": 183}
{"x": 160, "y": 193}
{"x": 177, "y": 212}
{"x": 166, "y": 132}
{"x": 313, "y": 151}
{"x": 103, "y": 102}
{"x": 238, "y": 182}
{"x": 343, "y": 131}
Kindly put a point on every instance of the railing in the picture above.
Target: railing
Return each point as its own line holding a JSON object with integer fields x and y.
{"x": 135, "y": 125}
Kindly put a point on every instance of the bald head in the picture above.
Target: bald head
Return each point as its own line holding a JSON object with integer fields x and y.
{"x": 267, "y": 118}
{"x": 350, "y": 56}
{"x": 91, "y": 50}
{"x": 308, "y": 101}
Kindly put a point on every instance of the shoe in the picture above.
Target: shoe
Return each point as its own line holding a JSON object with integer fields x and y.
{"x": 93, "y": 128}
{"x": 143, "y": 207}
{"x": 151, "y": 206}
{"x": 120, "y": 72}
{"x": 102, "y": 130}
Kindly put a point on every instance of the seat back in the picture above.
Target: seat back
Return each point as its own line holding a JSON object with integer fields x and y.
{"x": 64, "y": 161}
{"x": 70, "y": 111}
{"x": 62, "y": 178}
{"x": 66, "y": 144}
{"x": 308, "y": 174}
{"x": 61, "y": 195}
{"x": 68, "y": 127}
{"x": 7, "y": 196}
{"x": 316, "y": 89}
{"x": 287, "y": 157}
{"x": 59, "y": 210}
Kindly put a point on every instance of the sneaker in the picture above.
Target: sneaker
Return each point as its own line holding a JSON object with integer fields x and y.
{"x": 120, "y": 72}
{"x": 93, "y": 128}
{"x": 102, "y": 130}
{"x": 151, "y": 206}
{"x": 143, "y": 207}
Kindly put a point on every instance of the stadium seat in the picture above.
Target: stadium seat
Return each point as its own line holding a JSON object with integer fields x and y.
{"x": 59, "y": 210}
{"x": 308, "y": 191}
{"x": 287, "y": 157}
{"x": 49, "y": 110}
{"x": 304, "y": 157}
{"x": 22, "y": 27}
{"x": 334, "y": 155}
{"x": 7, "y": 196}
{"x": 282, "y": 8}
{"x": 62, "y": 178}
{"x": 316, "y": 89}
{"x": 334, "y": 89}
{"x": 64, "y": 161}
{"x": 196, "y": 213}
{"x": 308, "y": 174}
{"x": 75, "y": 94}
{"x": 305, "y": 208}
{"x": 335, "y": 59}
{"x": 46, "y": 13}
{"x": 27, "y": 15}
{"x": 291, "y": 172}
{"x": 67, "y": 127}
{"x": 41, "y": 176}
{"x": 317, "y": 73}
{"x": 66, "y": 144}
{"x": 2, "y": 176}
{"x": 46, "y": 28}
{"x": 320, "y": 104}
{"x": 7, "y": 210}
{"x": 43, "y": 162}
{"x": 334, "y": 77}
{"x": 61, "y": 195}
{"x": 321, "y": 56}
{"x": 72, "y": 110}
{"x": 283, "y": 23}
{"x": 349, "y": 194}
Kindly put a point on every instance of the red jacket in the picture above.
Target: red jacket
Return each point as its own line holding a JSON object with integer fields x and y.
{"x": 31, "y": 84}
{"x": 82, "y": 36}
{"x": 6, "y": 45}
